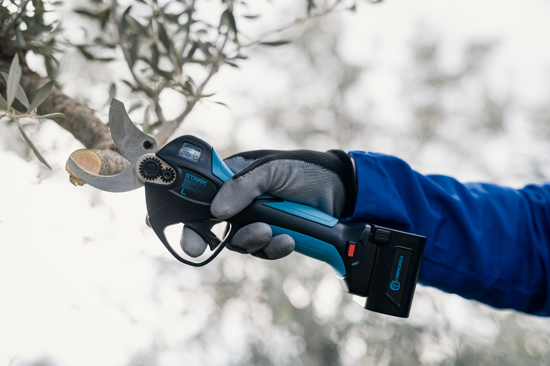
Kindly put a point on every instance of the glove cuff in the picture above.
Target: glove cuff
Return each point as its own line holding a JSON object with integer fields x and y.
{"x": 347, "y": 173}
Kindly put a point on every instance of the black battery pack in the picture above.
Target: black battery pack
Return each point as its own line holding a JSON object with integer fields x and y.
{"x": 390, "y": 261}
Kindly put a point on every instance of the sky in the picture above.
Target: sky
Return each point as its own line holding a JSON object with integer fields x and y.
{"x": 76, "y": 265}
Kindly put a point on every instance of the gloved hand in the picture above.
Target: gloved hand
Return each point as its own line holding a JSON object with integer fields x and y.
{"x": 324, "y": 180}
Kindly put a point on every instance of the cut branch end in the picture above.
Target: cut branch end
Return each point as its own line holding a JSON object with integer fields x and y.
{"x": 89, "y": 160}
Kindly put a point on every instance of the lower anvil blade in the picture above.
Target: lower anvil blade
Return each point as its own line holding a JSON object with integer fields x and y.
{"x": 123, "y": 182}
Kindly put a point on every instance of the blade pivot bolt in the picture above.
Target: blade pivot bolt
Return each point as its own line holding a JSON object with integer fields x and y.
{"x": 150, "y": 168}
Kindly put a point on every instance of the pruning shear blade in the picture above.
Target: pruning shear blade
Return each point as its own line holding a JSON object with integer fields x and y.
{"x": 123, "y": 182}
{"x": 130, "y": 142}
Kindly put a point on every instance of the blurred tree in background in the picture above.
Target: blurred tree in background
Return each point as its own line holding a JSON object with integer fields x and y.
{"x": 289, "y": 312}
{"x": 451, "y": 111}
{"x": 160, "y": 43}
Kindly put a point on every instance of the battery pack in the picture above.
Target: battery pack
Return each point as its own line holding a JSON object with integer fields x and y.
{"x": 396, "y": 257}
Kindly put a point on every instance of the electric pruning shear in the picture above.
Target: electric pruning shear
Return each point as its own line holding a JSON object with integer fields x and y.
{"x": 377, "y": 264}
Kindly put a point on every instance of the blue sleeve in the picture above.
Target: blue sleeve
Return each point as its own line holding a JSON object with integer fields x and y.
{"x": 484, "y": 242}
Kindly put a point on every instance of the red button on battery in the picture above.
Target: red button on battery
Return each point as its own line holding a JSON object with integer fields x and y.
{"x": 351, "y": 250}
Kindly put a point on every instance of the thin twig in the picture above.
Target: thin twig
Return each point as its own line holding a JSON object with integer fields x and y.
{"x": 330, "y": 10}
{"x": 125, "y": 51}
{"x": 187, "y": 30}
{"x": 169, "y": 127}
{"x": 215, "y": 68}
{"x": 155, "y": 98}
{"x": 157, "y": 109}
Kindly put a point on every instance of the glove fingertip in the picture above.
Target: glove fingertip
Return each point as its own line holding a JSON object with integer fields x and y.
{"x": 191, "y": 243}
{"x": 231, "y": 199}
{"x": 252, "y": 237}
{"x": 280, "y": 246}
{"x": 222, "y": 211}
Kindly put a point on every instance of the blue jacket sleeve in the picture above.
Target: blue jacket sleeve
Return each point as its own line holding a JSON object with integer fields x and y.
{"x": 484, "y": 242}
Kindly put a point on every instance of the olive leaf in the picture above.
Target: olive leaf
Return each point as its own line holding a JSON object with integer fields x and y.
{"x": 134, "y": 106}
{"x": 136, "y": 25}
{"x": 228, "y": 19}
{"x": 154, "y": 55}
{"x": 85, "y": 53}
{"x": 112, "y": 92}
{"x": 20, "y": 39}
{"x": 163, "y": 36}
{"x": 41, "y": 95}
{"x": 223, "y": 104}
{"x": 13, "y": 80}
{"x": 134, "y": 49}
{"x": 104, "y": 17}
{"x": 52, "y": 65}
{"x": 31, "y": 145}
{"x": 87, "y": 13}
{"x": 21, "y": 96}
{"x": 275, "y": 44}
{"x": 131, "y": 86}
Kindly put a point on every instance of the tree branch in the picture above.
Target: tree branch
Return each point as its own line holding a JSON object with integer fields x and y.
{"x": 125, "y": 51}
{"x": 157, "y": 109}
{"x": 168, "y": 128}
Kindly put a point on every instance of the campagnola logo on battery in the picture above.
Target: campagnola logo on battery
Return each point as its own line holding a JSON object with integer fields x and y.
{"x": 395, "y": 284}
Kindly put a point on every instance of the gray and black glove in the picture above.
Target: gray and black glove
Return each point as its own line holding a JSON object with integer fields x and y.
{"x": 324, "y": 180}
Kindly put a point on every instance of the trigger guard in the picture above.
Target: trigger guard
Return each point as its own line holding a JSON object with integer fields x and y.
{"x": 167, "y": 215}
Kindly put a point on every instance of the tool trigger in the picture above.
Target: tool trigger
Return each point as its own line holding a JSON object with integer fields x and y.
{"x": 203, "y": 229}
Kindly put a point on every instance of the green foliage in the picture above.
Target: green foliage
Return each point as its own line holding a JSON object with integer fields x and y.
{"x": 13, "y": 81}
{"x": 15, "y": 91}
{"x": 20, "y": 94}
{"x": 23, "y": 27}
{"x": 41, "y": 95}
{"x": 275, "y": 44}
{"x": 157, "y": 39}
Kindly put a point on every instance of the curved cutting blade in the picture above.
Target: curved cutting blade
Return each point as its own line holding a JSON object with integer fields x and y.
{"x": 123, "y": 182}
{"x": 130, "y": 141}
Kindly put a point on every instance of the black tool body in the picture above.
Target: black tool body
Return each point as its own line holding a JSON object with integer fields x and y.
{"x": 378, "y": 263}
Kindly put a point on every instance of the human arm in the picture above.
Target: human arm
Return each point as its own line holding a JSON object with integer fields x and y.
{"x": 484, "y": 242}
